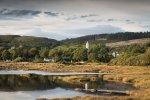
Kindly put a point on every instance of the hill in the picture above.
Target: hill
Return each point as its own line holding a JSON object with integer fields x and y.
{"x": 107, "y": 38}
{"x": 129, "y": 42}
{"x": 28, "y": 41}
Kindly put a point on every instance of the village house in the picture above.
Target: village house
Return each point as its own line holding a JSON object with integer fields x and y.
{"x": 49, "y": 59}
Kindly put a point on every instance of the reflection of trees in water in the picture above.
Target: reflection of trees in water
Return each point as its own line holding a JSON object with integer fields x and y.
{"x": 26, "y": 82}
{"x": 32, "y": 81}
{"x": 37, "y": 82}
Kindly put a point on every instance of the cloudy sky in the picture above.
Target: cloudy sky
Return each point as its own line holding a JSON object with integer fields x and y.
{"x": 61, "y": 19}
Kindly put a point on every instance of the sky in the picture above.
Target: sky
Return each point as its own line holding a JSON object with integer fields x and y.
{"x": 61, "y": 19}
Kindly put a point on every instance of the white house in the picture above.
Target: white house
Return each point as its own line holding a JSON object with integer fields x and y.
{"x": 49, "y": 59}
{"x": 115, "y": 54}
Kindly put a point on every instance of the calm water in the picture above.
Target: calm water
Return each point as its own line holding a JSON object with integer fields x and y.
{"x": 12, "y": 78}
{"x": 10, "y": 72}
{"x": 32, "y": 95}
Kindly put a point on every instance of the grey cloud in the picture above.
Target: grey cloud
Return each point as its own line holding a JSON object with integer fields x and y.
{"x": 85, "y": 16}
{"x": 71, "y": 18}
{"x": 100, "y": 20}
{"x": 95, "y": 20}
{"x": 129, "y": 21}
{"x": 8, "y": 12}
{"x": 51, "y": 13}
{"x": 81, "y": 17}
{"x": 111, "y": 19}
{"x": 146, "y": 26}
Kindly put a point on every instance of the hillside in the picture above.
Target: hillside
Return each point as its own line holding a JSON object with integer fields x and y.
{"x": 107, "y": 38}
{"x": 129, "y": 42}
{"x": 114, "y": 39}
{"x": 28, "y": 41}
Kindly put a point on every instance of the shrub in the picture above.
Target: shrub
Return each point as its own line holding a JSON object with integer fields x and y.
{"x": 19, "y": 59}
{"x": 38, "y": 60}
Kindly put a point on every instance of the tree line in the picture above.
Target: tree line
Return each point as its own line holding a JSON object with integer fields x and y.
{"x": 21, "y": 53}
{"x": 133, "y": 55}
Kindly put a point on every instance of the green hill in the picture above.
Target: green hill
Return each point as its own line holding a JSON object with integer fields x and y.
{"x": 28, "y": 41}
{"x": 107, "y": 38}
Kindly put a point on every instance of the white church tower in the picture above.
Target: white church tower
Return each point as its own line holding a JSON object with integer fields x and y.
{"x": 87, "y": 46}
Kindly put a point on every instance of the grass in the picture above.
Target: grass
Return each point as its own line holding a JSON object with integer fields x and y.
{"x": 99, "y": 98}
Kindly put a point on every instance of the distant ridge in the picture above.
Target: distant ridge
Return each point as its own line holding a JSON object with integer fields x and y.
{"x": 31, "y": 41}
{"x": 108, "y": 38}
{"x": 28, "y": 41}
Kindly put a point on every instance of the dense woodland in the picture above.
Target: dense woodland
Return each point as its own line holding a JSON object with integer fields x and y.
{"x": 17, "y": 54}
{"x": 35, "y": 49}
{"x": 26, "y": 41}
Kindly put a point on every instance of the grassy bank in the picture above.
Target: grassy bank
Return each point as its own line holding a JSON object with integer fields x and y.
{"x": 51, "y": 67}
{"x": 100, "y": 98}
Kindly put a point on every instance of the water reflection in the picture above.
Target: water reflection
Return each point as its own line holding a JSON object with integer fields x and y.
{"x": 36, "y": 82}
{"x": 16, "y": 72}
{"x": 32, "y": 95}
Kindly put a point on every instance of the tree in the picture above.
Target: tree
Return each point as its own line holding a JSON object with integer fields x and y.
{"x": 5, "y": 55}
{"x": 43, "y": 52}
{"x": 32, "y": 52}
{"x": 13, "y": 53}
{"x": 92, "y": 57}
{"x": 95, "y": 48}
{"x": 67, "y": 55}
{"x": 25, "y": 53}
{"x": 103, "y": 54}
{"x": 56, "y": 54}
{"x": 38, "y": 59}
{"x": 80, "y": 54}
{"x": 1, "y": 50}
{"x": 19, "y": 51}
{"x": 53, "y": 52}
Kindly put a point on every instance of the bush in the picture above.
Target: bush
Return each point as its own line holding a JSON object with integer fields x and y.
{"x": 19, "y": 59}
{"x": 38, "y": 60}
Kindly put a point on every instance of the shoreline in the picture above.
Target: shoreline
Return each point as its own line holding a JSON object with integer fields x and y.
{"x": 50, "y": 67}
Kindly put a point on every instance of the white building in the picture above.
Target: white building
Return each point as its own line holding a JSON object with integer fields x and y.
{"x": 50, "y": 59}
{"x": 115, "y": 54}
{"x": 87, "y": 46}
